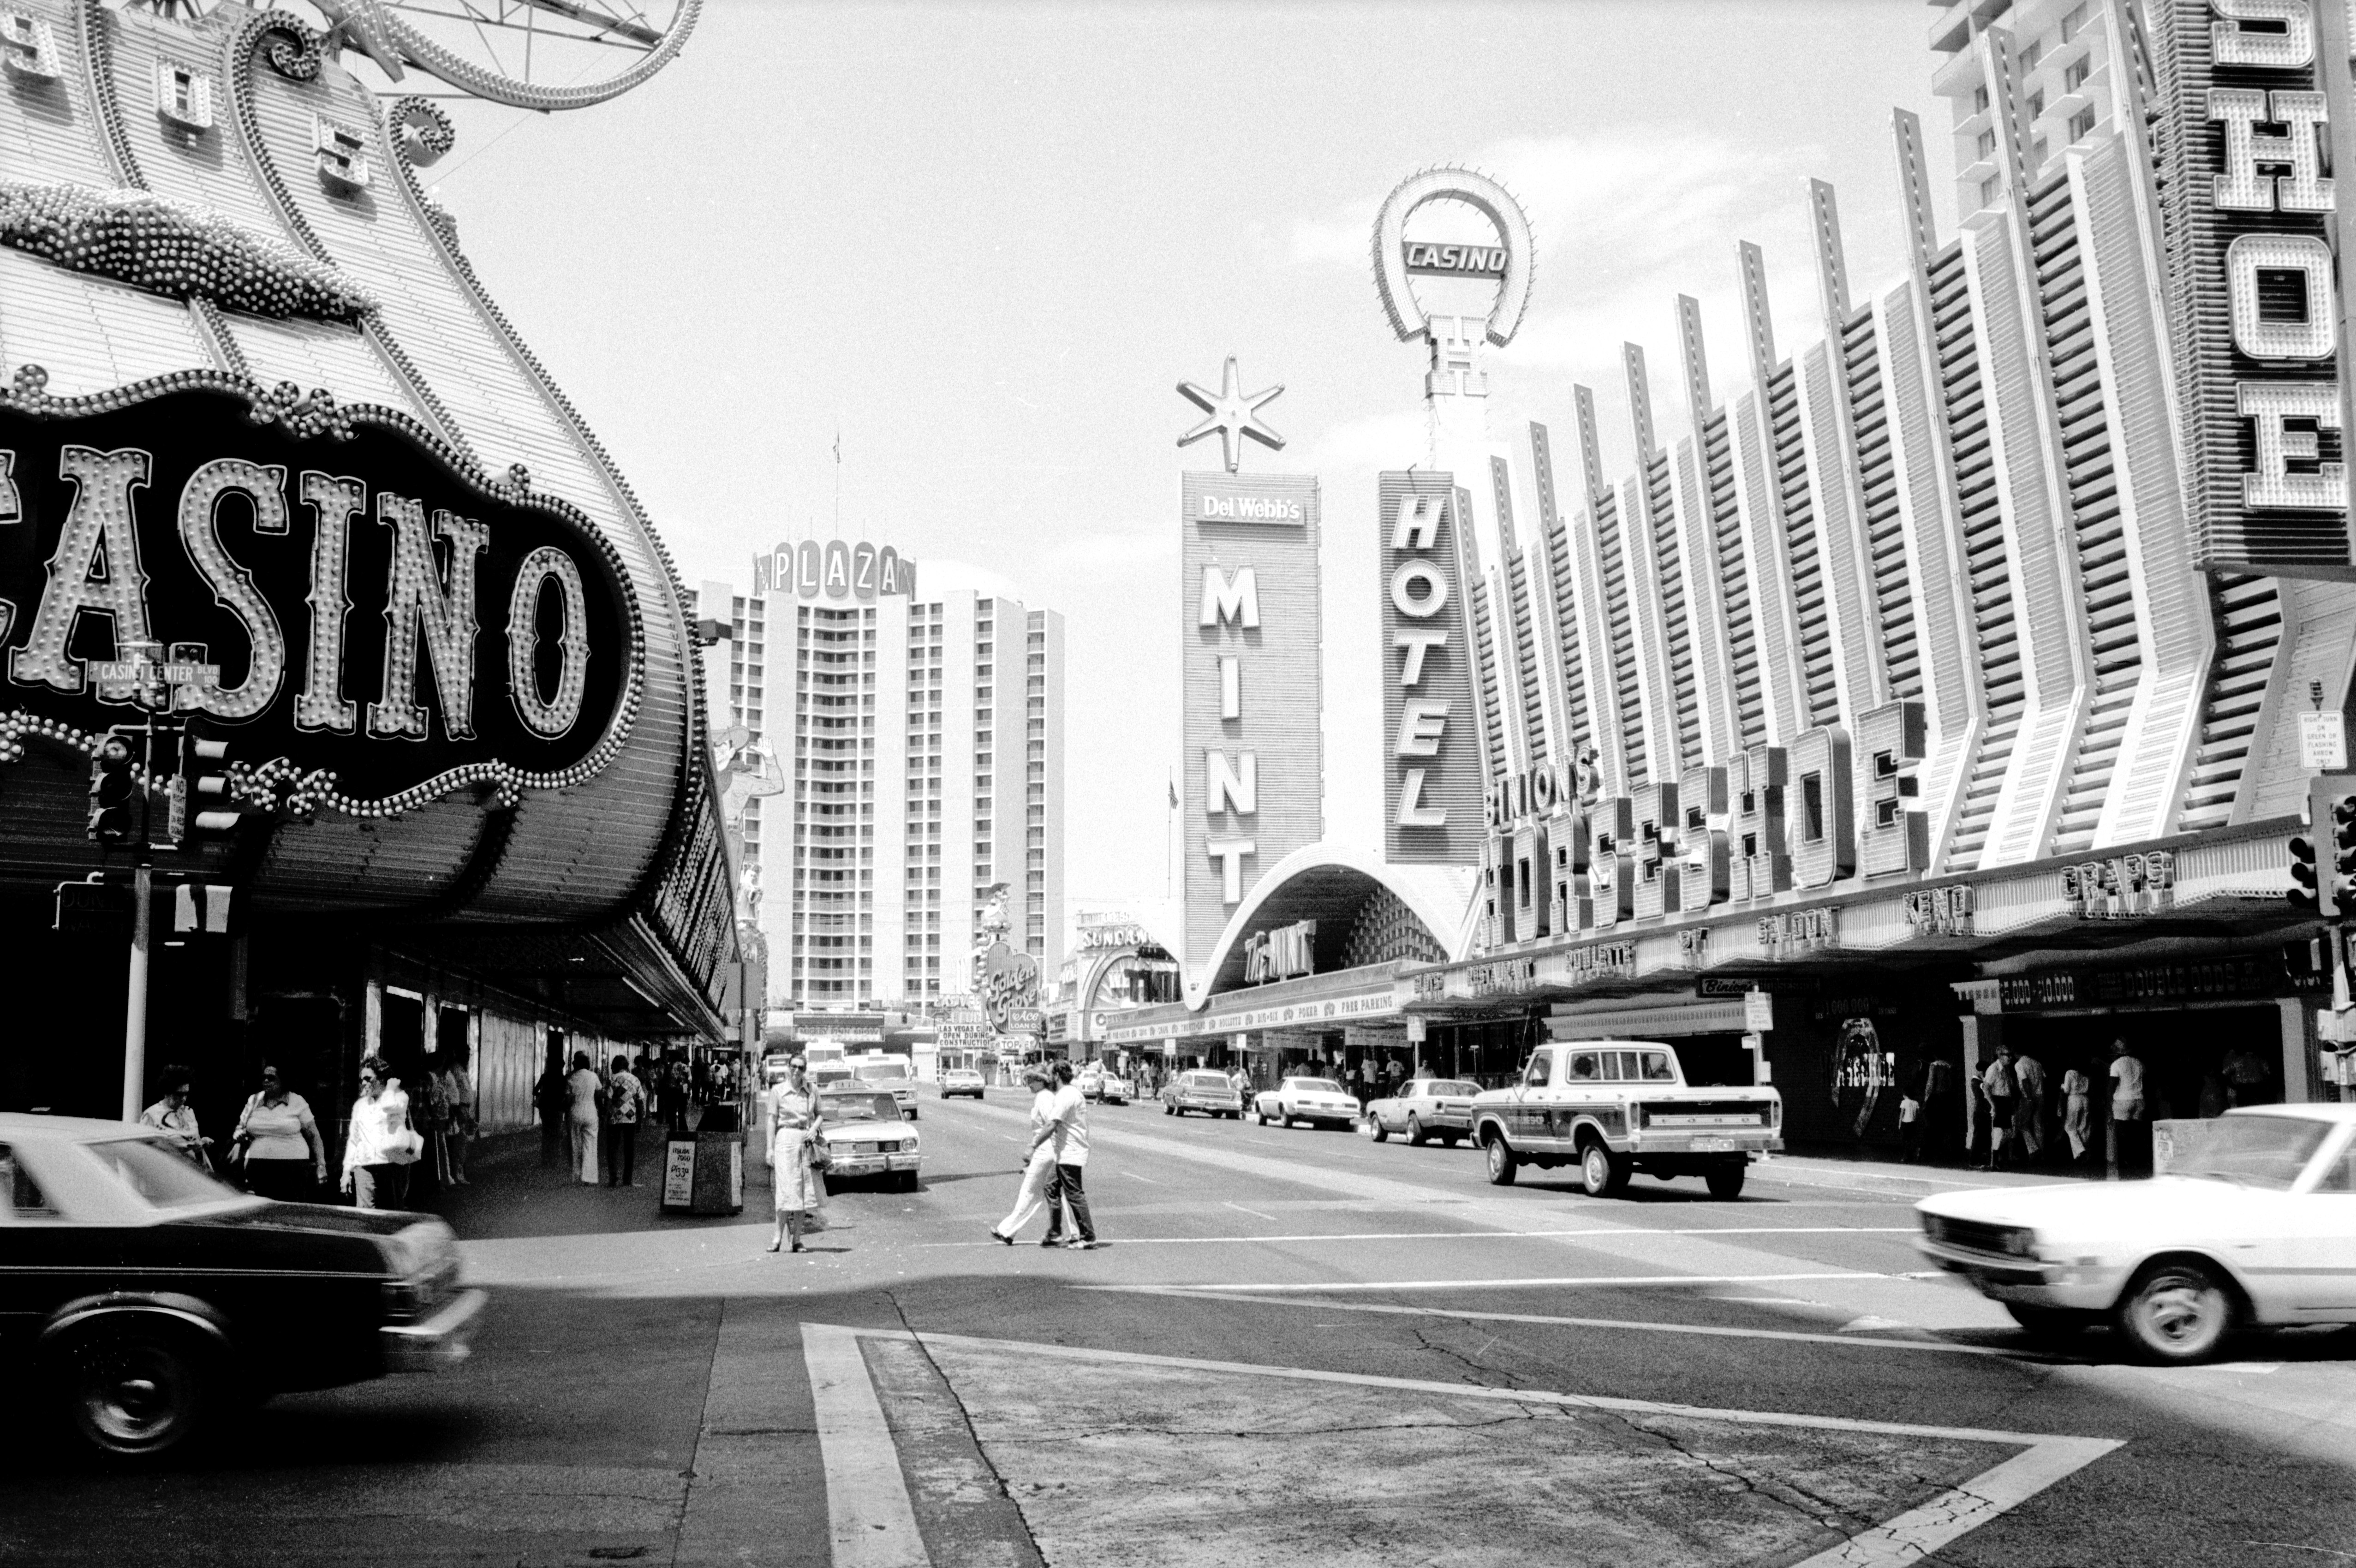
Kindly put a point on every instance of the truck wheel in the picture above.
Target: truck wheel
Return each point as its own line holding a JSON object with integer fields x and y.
{"x": 1501, "y": 1163}
{"x": 1726, "y": 1181}
{"x": 1601, "y": 1173}
{"x": 2177, "y": 1311}
{"x": 132, "y": 1390}
{"x": 1415, "y": 1133}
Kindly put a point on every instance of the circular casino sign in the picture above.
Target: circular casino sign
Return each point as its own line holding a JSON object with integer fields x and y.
{"x": 333, "y": 589}
{"x": 1400, "y": 256}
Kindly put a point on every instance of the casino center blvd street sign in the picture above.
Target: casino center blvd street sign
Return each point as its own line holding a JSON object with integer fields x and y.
{"x": 388, "y": 620}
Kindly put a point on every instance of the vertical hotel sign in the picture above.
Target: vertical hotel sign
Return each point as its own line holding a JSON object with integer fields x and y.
{"x": 1255, "y": 758}
{"x": 2253, "y": 210}
{"x": 1433, "y": 783}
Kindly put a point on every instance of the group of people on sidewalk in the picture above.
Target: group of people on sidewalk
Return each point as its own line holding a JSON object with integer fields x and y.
{"x": 1055, "y": 1165}
{"x": 278, "y": 1151}
{"x": 590, "y": 1120}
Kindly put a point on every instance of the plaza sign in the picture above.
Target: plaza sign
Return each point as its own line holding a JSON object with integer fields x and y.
{"x": 835, "y": 569}
{"x": 344, "y": 593}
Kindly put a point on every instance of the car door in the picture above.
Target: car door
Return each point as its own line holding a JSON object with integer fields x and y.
{"x": 2319, "y": 1247}
{"x": 1542, "y": 1102}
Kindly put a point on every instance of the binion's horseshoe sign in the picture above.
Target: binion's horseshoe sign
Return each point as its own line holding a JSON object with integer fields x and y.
{"x": 1399, "y": 258}
{"x": 360, "y": 600}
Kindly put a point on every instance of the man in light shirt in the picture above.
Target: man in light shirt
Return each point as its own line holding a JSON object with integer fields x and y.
{"x": 2130, "y": 1114}
{"x": 1070, "y": 1116}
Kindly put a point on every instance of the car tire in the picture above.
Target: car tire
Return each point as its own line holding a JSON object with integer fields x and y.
{"x": 2175, "y": 1312}
{"x": 1168, "y": 1109}
{"x": 908, "y": 1181}
{"x": 133, "y": 1391}
{"x": 1416, "y": 1136}
{"x": 1601, "y": 1173}
{"x": 1725, "y": 1181}
{"x": 1501, "y": 1163}
{"x": 1372, "y": 1127}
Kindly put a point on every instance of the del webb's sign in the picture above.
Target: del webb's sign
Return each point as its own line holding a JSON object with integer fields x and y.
{"x": 377, "y": 611}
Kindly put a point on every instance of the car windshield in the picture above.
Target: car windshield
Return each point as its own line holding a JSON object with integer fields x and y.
{"x": 2254, "y": 1151}
{"x": 1316, "y": 1086}
{"x": 1449, "y": 1086}
{"x": 880, "y": 1072}
{"x": 858, "y": 1108}
{"x": 159, "y": 1174}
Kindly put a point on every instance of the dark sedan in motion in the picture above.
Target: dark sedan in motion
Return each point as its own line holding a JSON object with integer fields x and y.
{"x": 139, "y": 1297}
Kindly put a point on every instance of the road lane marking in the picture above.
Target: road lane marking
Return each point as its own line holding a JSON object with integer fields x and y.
{"x": 869, "y": 1521}
{"x": 1146, "y": 1179}
{"x": 1907, "y": 1539}
{"x": 1490, "y": 1235}
{"x": 1559, "y": 1282}
{"x": 1255, "y": 1213}
{"x": 1702, "y": 1330}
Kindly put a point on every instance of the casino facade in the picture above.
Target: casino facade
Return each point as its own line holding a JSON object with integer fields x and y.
{"x": 1945, "y": 685}
{"x": 275, "y": 472}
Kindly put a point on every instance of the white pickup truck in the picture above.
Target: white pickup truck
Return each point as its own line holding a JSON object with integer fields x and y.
{"x": 1616, "y": 1107}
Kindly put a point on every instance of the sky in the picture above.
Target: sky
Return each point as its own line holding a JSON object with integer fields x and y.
{"x": 983, "y": 243}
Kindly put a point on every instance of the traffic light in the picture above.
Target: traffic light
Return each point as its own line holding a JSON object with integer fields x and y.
{"x": 2302, "y": 894}
{"x": 202, "y": 799}
{"x": 2343, "y": 855}
{"x": 113, "y": 792}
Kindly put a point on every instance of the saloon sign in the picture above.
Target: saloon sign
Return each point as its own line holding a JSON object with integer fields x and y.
{"x": 363, "y": 605}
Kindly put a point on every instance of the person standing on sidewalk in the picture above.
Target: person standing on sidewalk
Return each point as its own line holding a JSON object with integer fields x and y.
{"x": 1038, "y": 1163}
{"x": 283, "y": 1156}
{"x": 2002, "y": 1087}
{"x": 552, "y": 1098}
{"x": 625, "y": 1097}
{"x": 458, "y": 1091}
{"x": 2029, "y": 1073}
{"x": 797, "y": 1185}
{"x": 2130, "y": 1113}
{"x": 1069, "y": 1139}
{"x": 381, "y": 1146}
{"x": 2077, "y": 1113}
{"x": 585, "y": 1091}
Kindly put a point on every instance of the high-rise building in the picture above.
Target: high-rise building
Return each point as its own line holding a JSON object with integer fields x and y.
{"x": 920, "y": 735}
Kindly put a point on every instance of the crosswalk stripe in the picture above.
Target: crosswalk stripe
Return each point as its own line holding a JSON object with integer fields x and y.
{"x": 869, "y": 1521}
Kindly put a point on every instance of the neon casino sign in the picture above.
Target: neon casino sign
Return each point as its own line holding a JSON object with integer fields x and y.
{"x": 362, "y": 602}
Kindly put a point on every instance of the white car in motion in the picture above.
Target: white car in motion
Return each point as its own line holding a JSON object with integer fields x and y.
{"x": 2253, "y": 1225}
{"x": 1320, "y": 1101}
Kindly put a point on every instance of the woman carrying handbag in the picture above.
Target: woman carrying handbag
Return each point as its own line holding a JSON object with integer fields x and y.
{"x": 277, "y": 1148}
{"x": 381, "y": 1144}
{"x": 797, "y": 1158}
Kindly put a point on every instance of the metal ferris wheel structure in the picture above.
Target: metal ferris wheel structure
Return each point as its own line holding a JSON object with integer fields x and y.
{"x": 529, "y": 54}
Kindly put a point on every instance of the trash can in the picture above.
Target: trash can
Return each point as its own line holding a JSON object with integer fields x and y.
{"x": 703, "y": 1171}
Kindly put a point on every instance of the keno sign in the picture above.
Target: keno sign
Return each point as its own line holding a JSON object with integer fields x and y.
{"x": 375, "y": 611}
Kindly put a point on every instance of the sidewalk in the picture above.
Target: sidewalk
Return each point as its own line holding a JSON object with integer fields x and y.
{"x": 1896, "y": 1180}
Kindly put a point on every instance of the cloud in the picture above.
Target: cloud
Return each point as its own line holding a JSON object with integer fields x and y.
{"x": 1377, "y": 441}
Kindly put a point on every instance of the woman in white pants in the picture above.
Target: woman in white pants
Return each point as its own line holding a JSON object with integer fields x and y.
{"x": 1039, "y": 1168}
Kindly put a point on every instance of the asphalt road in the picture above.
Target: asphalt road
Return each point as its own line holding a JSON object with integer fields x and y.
{"x": 1299, "y": 1347}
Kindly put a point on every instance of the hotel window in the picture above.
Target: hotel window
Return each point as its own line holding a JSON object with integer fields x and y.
{"x": 2032, "y": 55}
{"x": 2075, "y": 77}
{"x": 1979, "y": 99}
{"x": 2073, "y": 21}
{"x": 1987, "y": 143}
{"x": 2081, "y": 124}
{"x": 1990, "y": 189}
{"x": 2037, "y": 104}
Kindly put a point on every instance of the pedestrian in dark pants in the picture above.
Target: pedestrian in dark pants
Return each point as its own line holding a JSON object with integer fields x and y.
{"x": 623, "y": 1098}
{"x": 552, "y": 1098}
{"x": 1071, "y": 1145}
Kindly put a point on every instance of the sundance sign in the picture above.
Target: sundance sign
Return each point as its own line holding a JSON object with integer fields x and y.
{"x": 374, "y": 611}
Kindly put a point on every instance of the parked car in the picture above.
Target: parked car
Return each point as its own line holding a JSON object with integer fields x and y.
{"x": 960, "y": 1080}
{"x": 139, "y": 1295}
{"x": 1616, "y": 1107}
{"x": 864, "y": 1137}
{"x": 890, "y": 1075}
{"x": 1209, "y": 1092}
{"x": 1316, "y": 1101}
{"x": 1115, "y": 1090}
{"x": 1423, "y": 1109}
{"x": 1091, "y": 1080}
{"x": 2253, "y": 1224}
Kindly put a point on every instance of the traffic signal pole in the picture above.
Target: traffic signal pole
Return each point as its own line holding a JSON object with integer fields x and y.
{"x": 135, "y": 1014}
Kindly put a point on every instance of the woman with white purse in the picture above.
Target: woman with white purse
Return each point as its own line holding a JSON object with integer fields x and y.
{"x": 381, "y": 1144}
